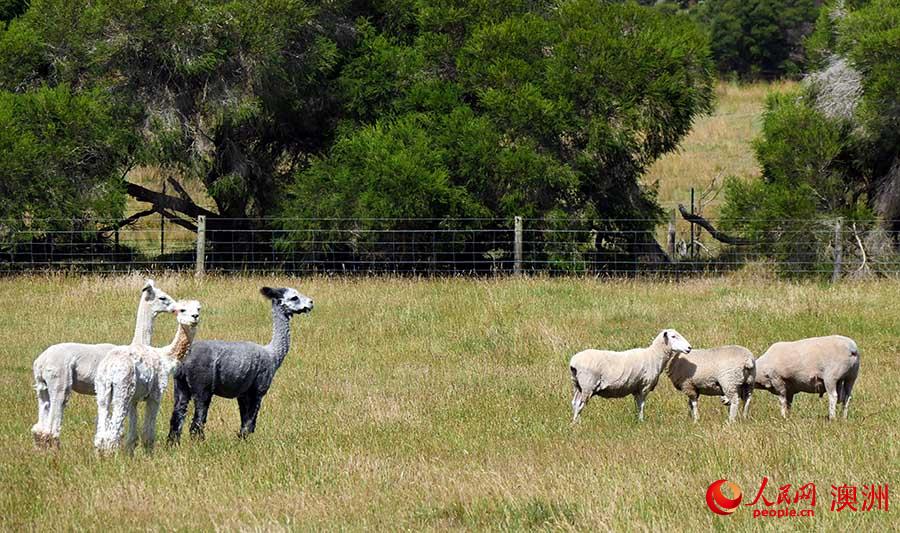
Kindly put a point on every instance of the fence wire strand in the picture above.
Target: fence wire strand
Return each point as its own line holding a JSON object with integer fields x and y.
{"x": 444, "y": 246}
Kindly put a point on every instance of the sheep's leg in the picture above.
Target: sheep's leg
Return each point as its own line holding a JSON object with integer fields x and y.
{"x": 747, "y": 399}
{"x": 692, "y": 405}
{"x": 201, "y": 407}
{"x": 148, "y": 435}
{"x": 639, "y": 399}
{"x": 786, "y": 401}
{"x": 179, "y": 410}
{"x": 831, "y": 389}
{"x": 848, "y": 393}
{"x": 734, "y": 405}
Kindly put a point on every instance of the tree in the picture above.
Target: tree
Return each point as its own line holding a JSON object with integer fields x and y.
{"x": 759, "y": 38}
{"x": 234, "y": 94}
{"x": 509, "y": 108}
{"x": 829, "y": 150}
{"x": 63, "y": 155}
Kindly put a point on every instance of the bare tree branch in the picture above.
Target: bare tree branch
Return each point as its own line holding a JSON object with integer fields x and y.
{"x": 178, "y": 220}
{"x": 716, "y": 234}
{"x": 163, "y": 201}
{"x": 180, "y": 190}
{"x": 125, "y": 222}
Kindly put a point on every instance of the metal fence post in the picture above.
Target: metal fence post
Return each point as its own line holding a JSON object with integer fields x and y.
{"x": 838, "y": 251}
{"x": 201, "y": 246}
{"x": 517, "y": 246}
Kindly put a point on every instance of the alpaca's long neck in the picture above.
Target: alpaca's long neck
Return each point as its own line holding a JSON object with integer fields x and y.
{"x": 181, "y": 344}
{"x": 143, "y": 326}
{"x": 281, "y": 334}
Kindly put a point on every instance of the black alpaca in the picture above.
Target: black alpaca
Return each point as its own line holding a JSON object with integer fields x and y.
{"x": 242, "y": 370}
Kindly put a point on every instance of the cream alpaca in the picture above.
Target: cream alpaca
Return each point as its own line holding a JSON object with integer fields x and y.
{"x": 139, "y": 373}
{"x": 63, "y": 368}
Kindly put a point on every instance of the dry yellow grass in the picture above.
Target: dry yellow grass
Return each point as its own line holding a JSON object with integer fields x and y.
{"x": 435, "y": 404}
{"x": 719, "y": 145}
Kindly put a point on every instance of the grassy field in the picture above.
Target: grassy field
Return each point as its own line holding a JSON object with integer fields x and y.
{"x": 439, "y": 404}
{"x": 719, "y": 145}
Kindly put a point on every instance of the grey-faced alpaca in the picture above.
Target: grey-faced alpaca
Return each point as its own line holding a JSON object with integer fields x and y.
{"x": 63, "y": 368}
{"x": 242, "y": 370}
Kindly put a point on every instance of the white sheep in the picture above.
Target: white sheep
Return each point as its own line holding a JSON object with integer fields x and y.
{"x": 818, "y": 365}
{"x": 727, "y": 371}
{"x": 611, "y": 374}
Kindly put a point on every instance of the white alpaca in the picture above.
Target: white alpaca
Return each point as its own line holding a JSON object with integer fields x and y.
{"x": 139, "y": 373}
{"x": 63, "y": 368}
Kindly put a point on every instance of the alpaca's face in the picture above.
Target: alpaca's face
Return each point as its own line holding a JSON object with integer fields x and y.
{"x": 160, "y": 302}
{"x": 187, "y": 312}
{"x": 295, "y": 302}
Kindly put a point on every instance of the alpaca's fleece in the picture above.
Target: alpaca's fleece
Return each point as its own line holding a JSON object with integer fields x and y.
{"x": 817, "y": 365}
{"x": 241, "y": 370}
{"x": 63, "y": 368}
{"x": 728, "y": 371}
{"x": 610, "y": 374}
{"x": 138, "y": 373}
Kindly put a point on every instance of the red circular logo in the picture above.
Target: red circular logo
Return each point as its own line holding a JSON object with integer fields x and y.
{"x": 718, "y": 502}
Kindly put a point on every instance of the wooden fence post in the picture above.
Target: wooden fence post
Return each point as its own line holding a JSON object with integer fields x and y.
{"x": 838, "y": 251}
{"x": 201, "y": 246}
{"x": 517, "y": 247}
{"x": 671, "y": 242}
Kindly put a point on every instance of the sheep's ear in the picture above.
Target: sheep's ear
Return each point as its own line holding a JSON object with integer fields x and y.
{"x": 271, "y": 293}
{"x": 666, "y": 336}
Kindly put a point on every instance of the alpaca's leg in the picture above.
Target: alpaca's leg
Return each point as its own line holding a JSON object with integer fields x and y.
{"x": 121, "y": 407}
{"x": 201, "y": 406}
{"x": 131, "y": 439}
{"x": 41, "y": 429}
{"x": 148, "y": 436}
{"x": 249, "y": 406}
{"x": 179, "y": 410}
{"x": 104, "y": 401}
{"x": 59, "y": 397}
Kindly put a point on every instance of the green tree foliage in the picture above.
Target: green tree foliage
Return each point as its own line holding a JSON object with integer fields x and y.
{"x": 508, "y": 108}
{"x": 827, "y": 149}
{"x": 231, "y": 93}
{"x": 758, "y": 38}
{"x": 10, "y": 9}
{"x": 63, "y": 154}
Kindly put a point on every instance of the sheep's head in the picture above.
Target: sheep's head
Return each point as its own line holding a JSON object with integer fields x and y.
{"x": 187, "y": 312}
{"x": 675, "y": 343}
{"x": 160, "y": 302}
{"x": 291, "y": 301}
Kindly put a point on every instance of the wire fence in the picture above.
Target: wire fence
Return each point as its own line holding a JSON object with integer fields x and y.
{"x": 612, "y": 247}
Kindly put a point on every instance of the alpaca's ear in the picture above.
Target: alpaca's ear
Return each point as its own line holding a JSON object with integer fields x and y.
{"x": 666, "y": 337}
{"x": 271, "y": 293}
{"x": 149, "y": 290}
